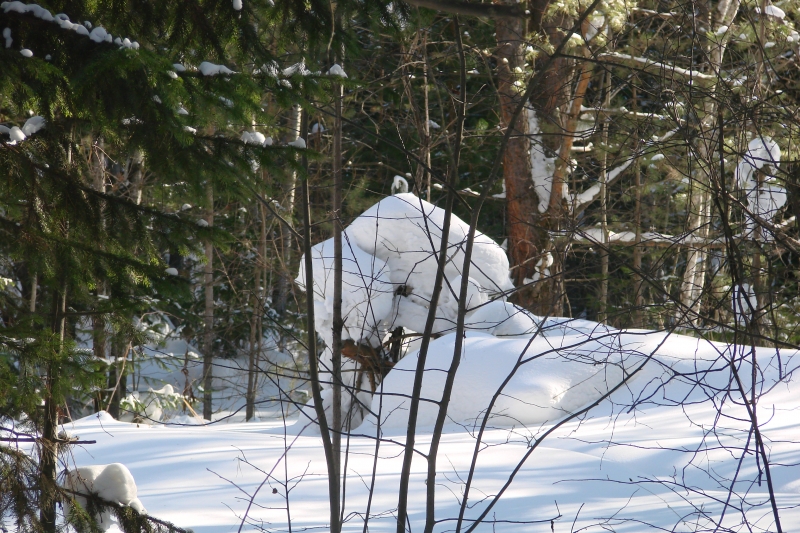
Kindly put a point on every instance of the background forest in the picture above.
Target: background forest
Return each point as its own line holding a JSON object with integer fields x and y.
{"x": 165, "y": 166}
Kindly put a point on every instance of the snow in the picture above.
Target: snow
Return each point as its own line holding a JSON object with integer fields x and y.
{"x": 190, "y": 129}
{"x": 7, "y": 37}
{"x": 237, "y": 5}
{"x": 337, "y": 70}
{"x": 561, "y": 375}
{"x": 774, "y": 11}
{"x": 25, "y": 52}
{"x": 297, "y": 68}
{"x": 542, "y": 167}
{"x": 433, "y": 125}
{"x": 16, "y": 134}
{"x": 366, "y": 291}
{"x": 100, "y": 35}
{"x": 389, "y": 268}
{"x": 210, "y": 69}
{"x": 298, "y": 143}
{"x": 763, "y": 199}
{"x": 616, "y": 465}
{"x": 171, "y": 271}
{"x": 178, "y": 67}
{"x": 112, "y": 482}
{"x": 253, "y": 137}
{"x": 399, "y": 185}
{"x": 721, "y": 30}
{"x": 33, "y": 124}
{"x": 596, "y": 23}
{"x": 405, "y": 232}
{"x": 317, "y": 128}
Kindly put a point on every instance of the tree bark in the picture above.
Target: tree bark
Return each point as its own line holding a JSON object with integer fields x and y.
{"x": 257, "y": 300}
{"x": 284, "y": 277}
{"x": 521, "y": 200}
{"x": 313, "y": 361}
{"x": 48, "y": 463}
{"x": 208, "y": 332}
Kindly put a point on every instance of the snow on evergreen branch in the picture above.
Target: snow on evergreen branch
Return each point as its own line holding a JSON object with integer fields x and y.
{"x": 98, "y": 34}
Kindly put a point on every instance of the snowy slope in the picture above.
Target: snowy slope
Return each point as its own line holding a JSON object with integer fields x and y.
{"x": 618, "y": 469}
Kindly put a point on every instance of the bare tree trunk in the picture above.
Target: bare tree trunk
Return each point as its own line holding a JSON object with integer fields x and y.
{"x": 208, "y": 333}
{"x": 638, "y": 280}
{"x": 694, "y": 274}
{"x": 34, "y": 288}
{"x": 255, "y": 322}
{"x": 117, "y": 379}
{"x": 136, "y": 175}
{"x": 284, "y": 277}
{"x": 425, "y": 147}
{"x": 521, "y": 200}
{"x": 603, "y": 314}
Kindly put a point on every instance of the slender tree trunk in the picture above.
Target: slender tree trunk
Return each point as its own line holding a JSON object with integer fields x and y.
{"x": 49, "y": 444}
{"x": 34, "y": 289}
{"x": 425, "y": 148}
{"x": 99, "y": 337}
{"x": 208, "y": 333}
{"x": 136, "y": 175}
{"x": 257, "y": 300}
{"x": 603, "y": 315}
{"x": 338, "y": 323}
{"x": 638, "y": 280}
{"x": 694, "y": 274}
{"x": 284, "y": 277}
{"x": 313, "y": 361}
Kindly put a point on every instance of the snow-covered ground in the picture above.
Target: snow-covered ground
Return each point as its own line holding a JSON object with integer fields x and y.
{"x": 665, "y": 465}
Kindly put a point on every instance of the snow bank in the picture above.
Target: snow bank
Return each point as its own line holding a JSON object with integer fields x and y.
{"x": 557, "y": 376}
{"x": 113, "y": 483}
{"x": 562, "y": 368}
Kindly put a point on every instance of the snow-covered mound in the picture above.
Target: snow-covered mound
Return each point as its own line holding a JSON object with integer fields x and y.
{"x": 389, "y": 262}
{"x": 559, "y": 369}
{"x": 553, "y": 376}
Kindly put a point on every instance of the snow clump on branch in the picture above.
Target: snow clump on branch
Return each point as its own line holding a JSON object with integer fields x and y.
{"x": 98, "y": 35}
{"x": 113, "y": 483}
{"x": 764, "y": 199}
{"x": 207, "y": 68}
{"x": 337, "y": 70}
